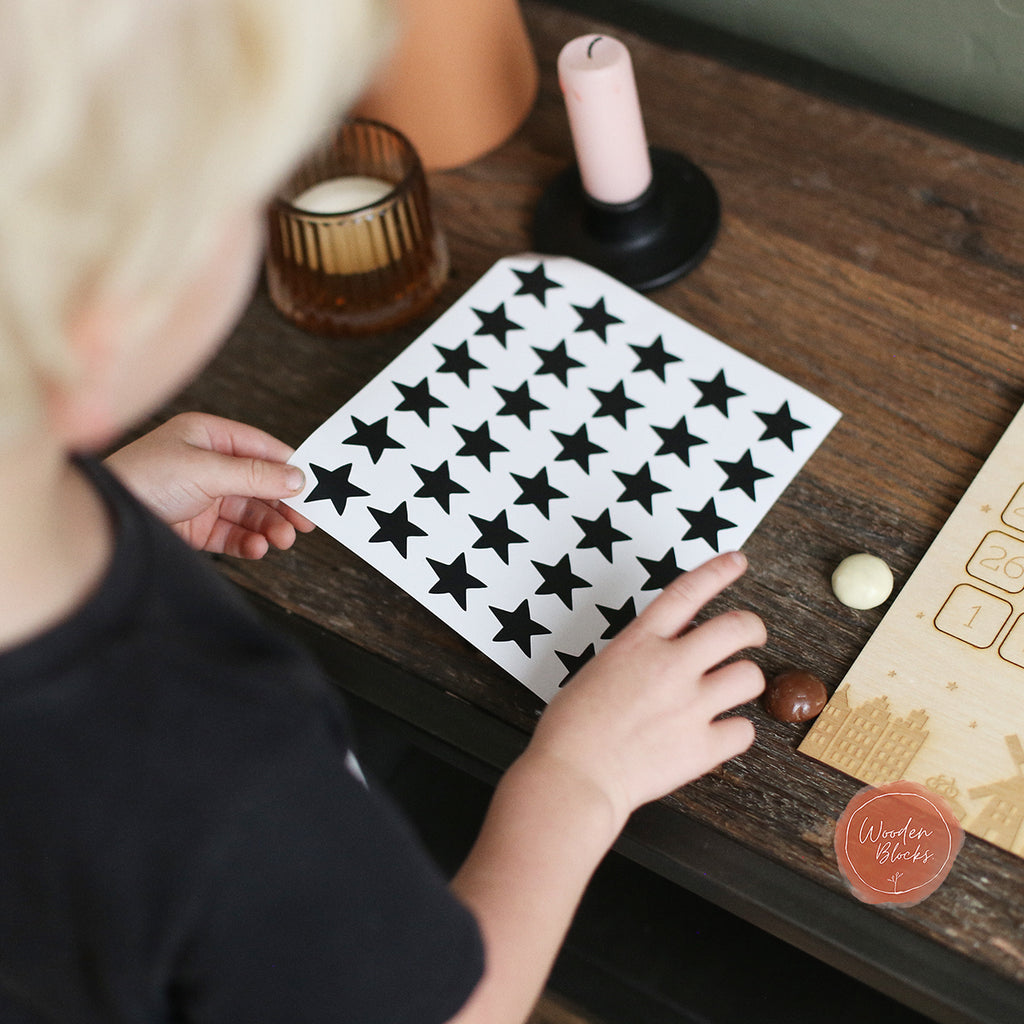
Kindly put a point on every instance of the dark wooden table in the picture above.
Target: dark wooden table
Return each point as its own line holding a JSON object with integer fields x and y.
{"x": 878, "y": 265}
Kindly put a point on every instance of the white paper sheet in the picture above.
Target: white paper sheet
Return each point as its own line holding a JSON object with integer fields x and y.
{"x": 543, "y": 458}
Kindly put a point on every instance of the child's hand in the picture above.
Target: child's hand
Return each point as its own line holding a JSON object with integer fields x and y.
{"x": 216, "y": 482}
{"x": 641, "y": 719}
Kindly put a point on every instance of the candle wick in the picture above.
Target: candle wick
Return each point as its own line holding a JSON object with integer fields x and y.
{"x": 596, "y": 39}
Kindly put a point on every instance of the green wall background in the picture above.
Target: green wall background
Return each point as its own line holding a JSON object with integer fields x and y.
{"x": 964, "y": 54}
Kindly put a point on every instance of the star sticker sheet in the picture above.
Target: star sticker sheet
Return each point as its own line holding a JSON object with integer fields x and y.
{"x": 548, "y": 454}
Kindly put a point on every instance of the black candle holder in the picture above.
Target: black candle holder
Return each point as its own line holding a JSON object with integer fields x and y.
{"x": 656, "y": 238}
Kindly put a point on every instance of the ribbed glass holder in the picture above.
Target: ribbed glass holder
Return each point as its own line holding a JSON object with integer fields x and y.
{"x": 363, "y": 270}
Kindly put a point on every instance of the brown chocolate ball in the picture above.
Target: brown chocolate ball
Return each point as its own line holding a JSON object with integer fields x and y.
{"x": 795, "y": 695}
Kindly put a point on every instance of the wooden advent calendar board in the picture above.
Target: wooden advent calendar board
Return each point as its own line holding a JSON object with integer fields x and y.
{"x": 937, "y": 694}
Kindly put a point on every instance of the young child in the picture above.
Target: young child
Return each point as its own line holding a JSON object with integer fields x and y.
{"x": 184, "y": 832}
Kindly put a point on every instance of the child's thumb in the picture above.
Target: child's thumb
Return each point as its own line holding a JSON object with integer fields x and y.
{"x": 262, "y": 478}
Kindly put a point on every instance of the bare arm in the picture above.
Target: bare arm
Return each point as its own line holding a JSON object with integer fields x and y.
{"x": 639, "y": 721}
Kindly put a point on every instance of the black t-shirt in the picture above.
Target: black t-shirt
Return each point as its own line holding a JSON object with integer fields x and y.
{"x": 184, "y": 833}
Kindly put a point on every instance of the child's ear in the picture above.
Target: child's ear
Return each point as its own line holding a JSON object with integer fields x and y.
{"x": 82, "y": 407}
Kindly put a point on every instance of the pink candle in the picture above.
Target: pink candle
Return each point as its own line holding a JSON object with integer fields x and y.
{"x": 596, "y": 76}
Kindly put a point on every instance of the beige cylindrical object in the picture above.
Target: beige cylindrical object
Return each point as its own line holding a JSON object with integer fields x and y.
{"x": 461, "y": 80}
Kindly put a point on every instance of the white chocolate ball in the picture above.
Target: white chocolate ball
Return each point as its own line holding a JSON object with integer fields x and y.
{"x": 862, "y": 581}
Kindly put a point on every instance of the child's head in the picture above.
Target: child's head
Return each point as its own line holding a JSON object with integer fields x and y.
{"x": 131, "y": 133}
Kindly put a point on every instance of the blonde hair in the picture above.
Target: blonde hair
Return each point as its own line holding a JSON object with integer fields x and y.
{"x": 129, "y": 129}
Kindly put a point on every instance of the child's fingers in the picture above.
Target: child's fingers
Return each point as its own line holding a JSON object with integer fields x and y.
{"x": 231, "y": 539}
{"x": 678, "y": 604}
{"x": 236, "y": 458}
{"x": 259, "y": 517}
{"x": 260, "y": 478}
{"x": 734, "y": 684}
{"x": 219, "y": 476}
{"x": 297, "y": 519}
{"x": 234, "y": 438}
{"x": 723, "y": 636}
{"x": 730, "y": 737}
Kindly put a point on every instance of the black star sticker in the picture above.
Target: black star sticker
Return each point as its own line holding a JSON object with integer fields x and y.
{"x": 537, "y": 491}
{"x": 560, "y": 580}
{"x": 595, "y": 318}
{"x": 334, "y": 484}
{"x": 458, "y": 361}
{"x": 418, "y": 399}
{"x": 677, "y": 440}
{"x": 705, "y": 524}
{"x": 557, "y": 362}
{"x": 617, "y": 618}
{"x": 439, "y": 485}
{"x": 716, "y": 392}
{"x": 496, "y": 324}
{"x": 496, "y": 535}
{"x": 653, "y": 357}
{"x": 660, "y": 571}
{"x": 614, "y": 403}
{"x": 639, "y": 486}
{"x": 517, "y": 626}
{"x": 454, "y": 579}
{"x": 780, "y": 425}
{"x": 572, "y": 663}
{"x": 536, "y": 283}
{"x": 577, "y": 448}
{"x": 599, "y": 533}
{"x": 742, "y": 474}
{"x": 479, "y": 444}
{"x": 519, "y": 403}
{"x": 395, "y": 528}
{"x": 373, "y": 437}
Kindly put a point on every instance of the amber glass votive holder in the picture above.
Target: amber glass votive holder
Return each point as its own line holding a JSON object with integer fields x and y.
{"x": 358, "y": 269}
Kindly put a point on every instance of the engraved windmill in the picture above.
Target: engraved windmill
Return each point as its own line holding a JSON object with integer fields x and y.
{"x": 1000, "y": 819}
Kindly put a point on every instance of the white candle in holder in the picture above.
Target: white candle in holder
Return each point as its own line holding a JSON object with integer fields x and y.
{"x": 342, "y": 195}
{"x": 351, "y": 246}
{"x": 360, "y": 239}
